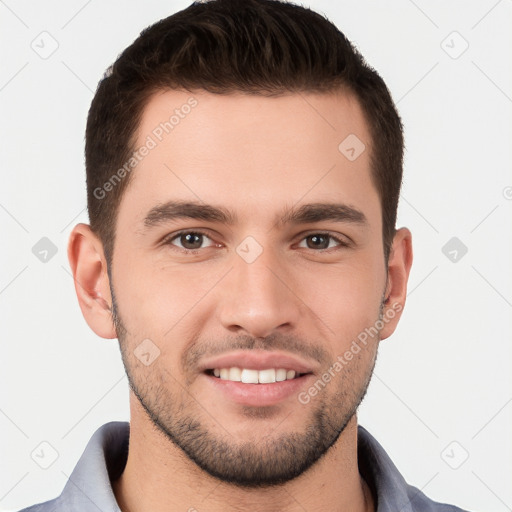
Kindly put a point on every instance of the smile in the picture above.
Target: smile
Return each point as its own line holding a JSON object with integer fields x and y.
{"x": 250, "y": 376}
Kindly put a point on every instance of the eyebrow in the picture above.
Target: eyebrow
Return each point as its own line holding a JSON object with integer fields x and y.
{"x": 173, "y": 210}
{"x": 306, "y": 214}
{"x": 318, "y": 212}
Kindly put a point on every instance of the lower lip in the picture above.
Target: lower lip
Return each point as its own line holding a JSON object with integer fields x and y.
{"x": 258, "y": 395}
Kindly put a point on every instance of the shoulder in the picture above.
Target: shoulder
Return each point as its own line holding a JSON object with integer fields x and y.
{"x": 421, "y": 503}
{"x": 388, "y": 486}
{"x": 47, "y": 506}
{"x": 89, "y": 486}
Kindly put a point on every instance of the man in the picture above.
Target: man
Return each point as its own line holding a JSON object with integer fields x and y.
{"x": 243, "y": 172}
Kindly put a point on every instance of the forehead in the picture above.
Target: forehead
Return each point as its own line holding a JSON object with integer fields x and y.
{"x": 252, "y": 153}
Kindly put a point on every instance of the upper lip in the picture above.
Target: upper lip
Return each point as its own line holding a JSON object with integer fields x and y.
{"x": 258, "y": 360}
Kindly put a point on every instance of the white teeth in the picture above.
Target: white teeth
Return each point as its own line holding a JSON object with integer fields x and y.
{"x": 280, "y": 375}
{"x": 267, "y": 376}
{"x": 235, "y": 374}
{"x": 290, "y": 374}
{"x": 249, "y": 376}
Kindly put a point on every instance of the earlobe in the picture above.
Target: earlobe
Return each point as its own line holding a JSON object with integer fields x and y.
{"x": 399, "y": 266}
{"x": 89, "y": 268}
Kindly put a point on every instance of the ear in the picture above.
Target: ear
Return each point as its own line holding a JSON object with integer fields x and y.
{"x": 399, "y": 266}
{"x": 89, "y": 267}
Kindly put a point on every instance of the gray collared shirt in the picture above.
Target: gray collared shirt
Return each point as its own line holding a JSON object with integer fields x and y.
{"x": 89, "y": 490}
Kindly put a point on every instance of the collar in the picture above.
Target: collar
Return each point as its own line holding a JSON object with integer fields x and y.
{"x": 89, "y": 490}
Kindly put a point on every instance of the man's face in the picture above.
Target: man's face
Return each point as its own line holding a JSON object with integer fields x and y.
{"x": 247, "y": 240}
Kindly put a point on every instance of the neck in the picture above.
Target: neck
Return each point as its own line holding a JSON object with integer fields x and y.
{"x": 159, "y": 477}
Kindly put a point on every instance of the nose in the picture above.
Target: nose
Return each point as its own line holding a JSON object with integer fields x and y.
{"x": 258, "y": 298}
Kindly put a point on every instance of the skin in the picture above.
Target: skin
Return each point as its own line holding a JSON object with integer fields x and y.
{"x": 256, "y": 157}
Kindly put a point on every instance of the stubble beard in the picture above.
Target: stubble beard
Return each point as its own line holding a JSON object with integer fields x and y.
{"x": 273, "y": 459}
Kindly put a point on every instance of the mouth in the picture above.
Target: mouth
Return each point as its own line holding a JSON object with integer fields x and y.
{"x": 253, "y": 376}
{"x": 257, "y": 378}
{"x": 256, "y": 388}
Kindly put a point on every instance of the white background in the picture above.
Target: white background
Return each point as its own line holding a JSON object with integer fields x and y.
{"x": 444, "y": 376}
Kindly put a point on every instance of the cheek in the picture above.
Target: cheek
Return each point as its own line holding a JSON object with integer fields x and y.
{"x": 346, "y": 299}
{"x": 157, "y": 300}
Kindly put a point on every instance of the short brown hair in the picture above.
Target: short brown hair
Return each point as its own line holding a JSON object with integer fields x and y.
{"x": 265, "y": 47}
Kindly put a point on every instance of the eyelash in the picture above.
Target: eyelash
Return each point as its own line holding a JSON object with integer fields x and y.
{"x": 168, "y": 240}
{"x": 339, "y": 241}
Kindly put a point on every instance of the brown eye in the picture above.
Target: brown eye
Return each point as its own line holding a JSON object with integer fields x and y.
{"x": 321, "y": 241}
{"x": 191, "y": 240}
{"x": 318, "y": 241}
